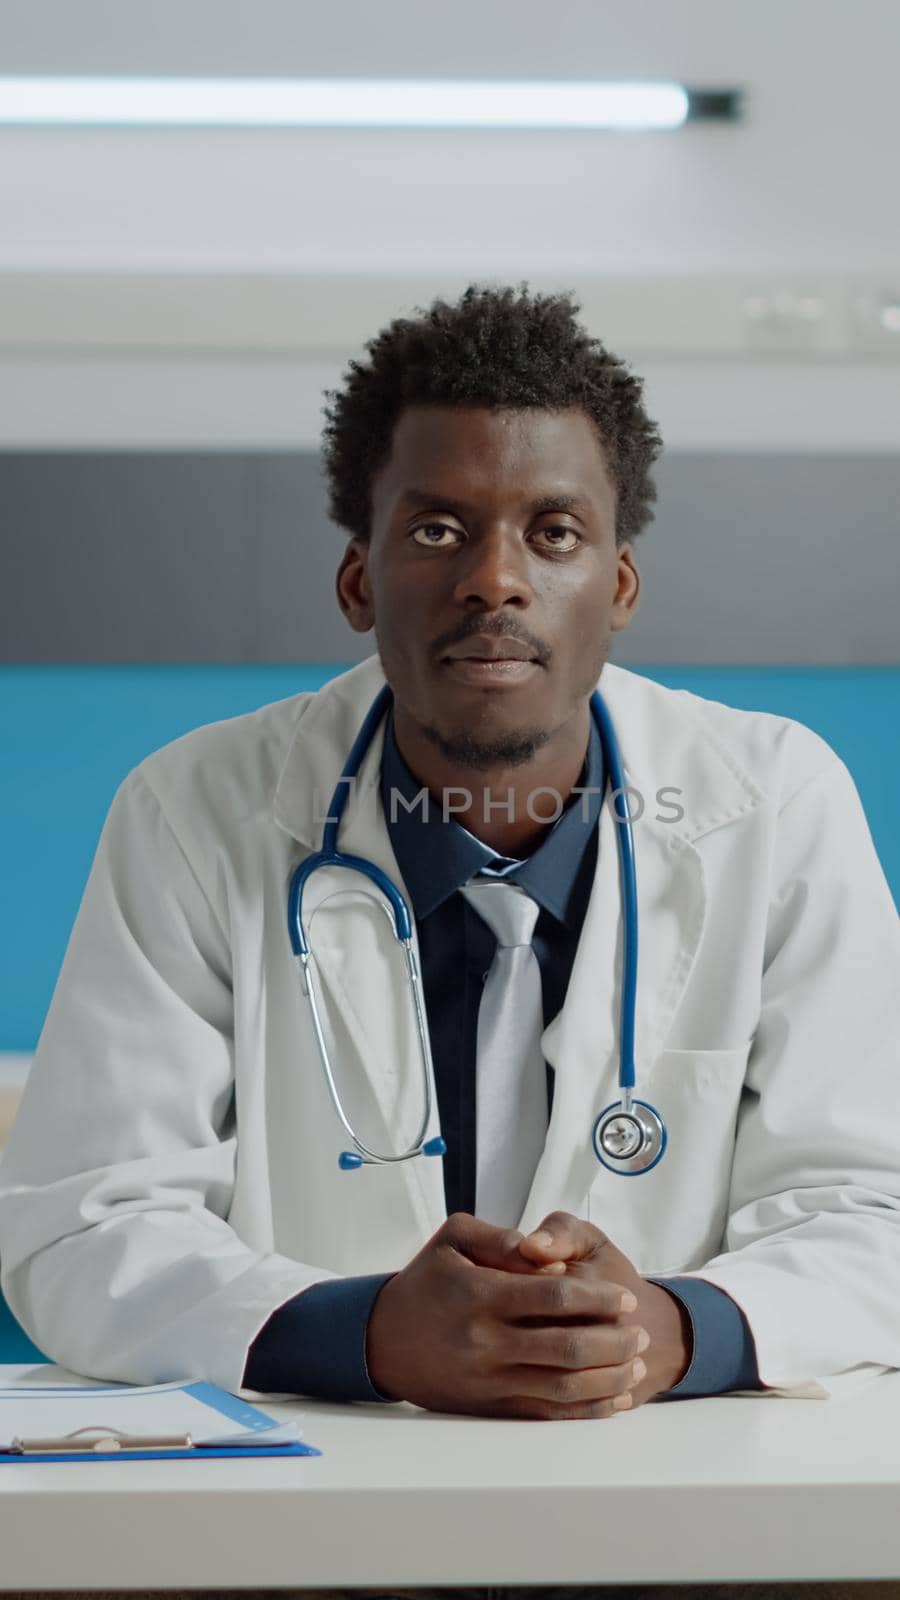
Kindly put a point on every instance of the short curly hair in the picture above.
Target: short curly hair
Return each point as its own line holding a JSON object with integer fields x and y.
{"x": 496, "y": 347}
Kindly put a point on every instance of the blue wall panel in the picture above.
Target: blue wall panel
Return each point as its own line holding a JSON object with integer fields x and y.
{"x": 70, "y": 734}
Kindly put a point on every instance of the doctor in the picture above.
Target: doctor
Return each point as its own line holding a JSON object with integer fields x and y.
{"x": 171, "y": 1201}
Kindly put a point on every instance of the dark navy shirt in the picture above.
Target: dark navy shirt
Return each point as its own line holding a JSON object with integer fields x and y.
{"x": 315, "y": 1344}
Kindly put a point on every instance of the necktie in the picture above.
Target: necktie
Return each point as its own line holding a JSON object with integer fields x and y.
{"x": 510, "y": 1075}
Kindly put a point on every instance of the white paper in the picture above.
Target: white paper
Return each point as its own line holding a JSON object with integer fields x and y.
{"x": 44, "y": 1411}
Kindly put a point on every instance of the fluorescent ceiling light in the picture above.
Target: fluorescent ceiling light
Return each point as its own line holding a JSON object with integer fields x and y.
{"x": 341, "y": 103}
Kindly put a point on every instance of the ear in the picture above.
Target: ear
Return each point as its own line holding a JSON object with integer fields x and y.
{"x": 625, "y": 603}
{"x": 354, "y": 593}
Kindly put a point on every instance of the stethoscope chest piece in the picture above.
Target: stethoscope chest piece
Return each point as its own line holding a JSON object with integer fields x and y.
{"x": 629, "y": 1138}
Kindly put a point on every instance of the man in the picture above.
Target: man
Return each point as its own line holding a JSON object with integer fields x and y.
{"x": 171, "y": 1201}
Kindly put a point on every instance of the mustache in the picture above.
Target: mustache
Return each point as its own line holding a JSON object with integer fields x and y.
{"x": 535, "y": 647}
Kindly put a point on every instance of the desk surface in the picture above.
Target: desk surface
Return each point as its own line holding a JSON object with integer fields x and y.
{"x": 717, "y": 1489}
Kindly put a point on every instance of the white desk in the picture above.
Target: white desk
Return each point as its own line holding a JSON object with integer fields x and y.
{"x": 702, "y": 1490}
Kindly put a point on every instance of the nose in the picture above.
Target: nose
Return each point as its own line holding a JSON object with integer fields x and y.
{"x": 494, "y": 570}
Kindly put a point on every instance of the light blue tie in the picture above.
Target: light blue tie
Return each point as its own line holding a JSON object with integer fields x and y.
{"x": 511, "y": 1077}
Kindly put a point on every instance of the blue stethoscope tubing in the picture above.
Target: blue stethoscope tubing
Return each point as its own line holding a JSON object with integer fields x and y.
{"x": 628, "y": 1136}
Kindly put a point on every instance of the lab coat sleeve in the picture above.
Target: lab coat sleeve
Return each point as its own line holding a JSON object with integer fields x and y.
{"x": 115, "y": 1188}
{"x": 812, "y": 1244}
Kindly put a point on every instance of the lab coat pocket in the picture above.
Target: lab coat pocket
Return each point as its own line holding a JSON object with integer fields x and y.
{"x": 672, "y": 1218}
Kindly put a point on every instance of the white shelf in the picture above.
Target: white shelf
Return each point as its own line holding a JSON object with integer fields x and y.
{"x": 217, "y": 360}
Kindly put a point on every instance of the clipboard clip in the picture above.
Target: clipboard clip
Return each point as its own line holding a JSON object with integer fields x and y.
{"x": 110, "y": 1440}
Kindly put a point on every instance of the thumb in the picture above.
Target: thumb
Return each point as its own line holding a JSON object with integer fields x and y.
{"x": 484, "y": 1244}
{"x": 561, "y": 1237}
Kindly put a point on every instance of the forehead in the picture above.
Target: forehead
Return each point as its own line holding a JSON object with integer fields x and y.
{"x": 479, "y": 451}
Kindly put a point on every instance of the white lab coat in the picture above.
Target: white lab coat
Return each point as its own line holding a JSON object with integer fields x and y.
{"x": 172, "y": 1175}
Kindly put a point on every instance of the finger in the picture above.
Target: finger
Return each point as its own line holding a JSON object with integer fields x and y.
{"x": 571, "y": 1348}
{"x": 523, "y": 1407}
{"x": 578, "y": 1388}
{"x": 529, "y": 1408}
{"x": 512, "y": 1297}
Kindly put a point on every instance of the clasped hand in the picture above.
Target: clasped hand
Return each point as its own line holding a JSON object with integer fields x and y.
{"x": 554, "y": 1325}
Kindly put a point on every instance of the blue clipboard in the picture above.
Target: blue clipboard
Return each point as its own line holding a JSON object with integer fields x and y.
{"x": 238, "y": 1412}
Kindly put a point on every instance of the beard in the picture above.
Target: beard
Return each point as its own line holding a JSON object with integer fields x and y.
{"x": 492, "y": 751}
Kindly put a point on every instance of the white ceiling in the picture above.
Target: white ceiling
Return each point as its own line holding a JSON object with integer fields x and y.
{"x": 803, "y": 191}
{"x": 807, "y": 181}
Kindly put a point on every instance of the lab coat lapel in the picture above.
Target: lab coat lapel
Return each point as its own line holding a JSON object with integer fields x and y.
{"x": 660, "y": 750}
{"x": 582, "y": 1042}
{"x": 360, "y": 969}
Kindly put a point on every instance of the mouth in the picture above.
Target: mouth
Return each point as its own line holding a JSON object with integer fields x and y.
{"x": 505, "y": 671}
{"x": 491, "y": 660}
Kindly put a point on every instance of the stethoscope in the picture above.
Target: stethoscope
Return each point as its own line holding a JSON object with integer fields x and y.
{"x": 629, "y": 1136}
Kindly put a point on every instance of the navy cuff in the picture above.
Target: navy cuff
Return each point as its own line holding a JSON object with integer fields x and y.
{"x": 724, "y": 1354}
{"x": 316, "y": 1343}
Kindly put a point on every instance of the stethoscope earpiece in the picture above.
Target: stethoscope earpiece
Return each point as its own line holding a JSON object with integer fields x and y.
{"x": 348, "y": 1160}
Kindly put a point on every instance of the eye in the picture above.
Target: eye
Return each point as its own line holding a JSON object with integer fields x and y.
{"x": 431, "y": 527}
{"x": 427, "y": 543}
{"x": 561, "y": 528}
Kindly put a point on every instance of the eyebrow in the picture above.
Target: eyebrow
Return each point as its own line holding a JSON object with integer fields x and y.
{"x": 544, "y": 502}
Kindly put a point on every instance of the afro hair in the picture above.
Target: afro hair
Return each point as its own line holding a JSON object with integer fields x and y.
{"x": 496, "y": 347}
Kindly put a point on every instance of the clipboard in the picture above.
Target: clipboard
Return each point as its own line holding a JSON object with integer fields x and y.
{"x": 185, "y": 1421}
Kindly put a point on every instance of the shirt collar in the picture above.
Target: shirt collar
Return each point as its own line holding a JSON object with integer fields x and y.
{"x": 437, "y": 857}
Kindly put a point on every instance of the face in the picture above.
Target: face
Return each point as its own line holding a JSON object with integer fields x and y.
{"x": 498, "y": 523}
